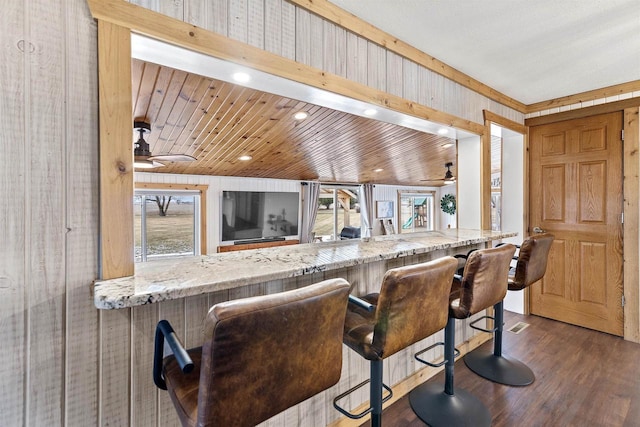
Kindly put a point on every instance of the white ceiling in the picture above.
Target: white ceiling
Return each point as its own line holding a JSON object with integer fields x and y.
{"x": 530, "y": 50}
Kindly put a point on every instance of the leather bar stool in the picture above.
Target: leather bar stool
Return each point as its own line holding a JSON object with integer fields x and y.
{"x": 261, "y": 355}
{"x": 482, "y": 285}
{"x": 530, "y": 267}
{"x": 412, "y": 304}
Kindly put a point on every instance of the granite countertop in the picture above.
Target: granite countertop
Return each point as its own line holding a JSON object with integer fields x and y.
{"x": 165, "y": 279}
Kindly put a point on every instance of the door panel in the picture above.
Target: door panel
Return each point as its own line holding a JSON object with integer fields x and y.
{"x": 576, "y": 194}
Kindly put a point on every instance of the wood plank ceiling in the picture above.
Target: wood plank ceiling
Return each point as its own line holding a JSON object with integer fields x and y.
{"x": 217, "y": 122}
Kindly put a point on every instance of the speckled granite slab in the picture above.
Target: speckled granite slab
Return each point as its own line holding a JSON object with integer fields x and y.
{"x": 162, "y": 280}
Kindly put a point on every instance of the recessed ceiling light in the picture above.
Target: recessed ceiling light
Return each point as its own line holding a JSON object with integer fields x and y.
{"x": 245, "y": 158}
{"x": 370, "y": 112}
{"x": 443, "y": 131}
{"x": 447, "y": 145}
{"x": 378, "y": 170}
{"x": 241, "y": 77}
{"x": 301, "y": 115}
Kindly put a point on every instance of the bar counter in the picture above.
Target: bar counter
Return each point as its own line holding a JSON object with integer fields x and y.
{"x": 169, "y": 279}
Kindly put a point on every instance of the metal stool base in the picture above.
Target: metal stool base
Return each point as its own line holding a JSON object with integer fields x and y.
{"x": 499, "y": 369}
{"x": 437, "y": 408}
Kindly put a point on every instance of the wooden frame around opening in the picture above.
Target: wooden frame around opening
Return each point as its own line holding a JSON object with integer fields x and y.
{"x": 116, "y": 20}
{"x": 490, "y": 118}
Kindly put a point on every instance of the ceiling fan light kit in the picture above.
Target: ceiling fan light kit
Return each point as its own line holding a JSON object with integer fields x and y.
{"x": 448, "y": 176}
{"x": 143, "y": 159}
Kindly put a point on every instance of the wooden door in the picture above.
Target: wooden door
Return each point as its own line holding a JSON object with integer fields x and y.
{"x": 576, "y": 194}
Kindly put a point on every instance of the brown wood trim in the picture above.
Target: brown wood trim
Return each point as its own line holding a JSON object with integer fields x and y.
{"x": 202, "y": 188}
{"x": 350, "y": 22}
{"x": 165, "y": 186}
{"x": 631, "y": 273}
{"x": 504, "y": 122}
{"x": 609, "y": 107}
{"x": 231, "y": 248}
{"x": 116, "y": 156}
{"x": 170, "y": 30}
{"x": 585, "y": 96}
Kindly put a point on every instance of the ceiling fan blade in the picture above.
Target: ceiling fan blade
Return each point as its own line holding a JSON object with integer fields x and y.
{"x": 173, "y": 158}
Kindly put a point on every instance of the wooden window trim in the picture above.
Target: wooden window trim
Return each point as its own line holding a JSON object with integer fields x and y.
{"x": 201, "y": 188}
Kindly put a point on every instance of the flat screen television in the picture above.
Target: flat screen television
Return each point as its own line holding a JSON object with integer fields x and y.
{"x": 259, "y": 215}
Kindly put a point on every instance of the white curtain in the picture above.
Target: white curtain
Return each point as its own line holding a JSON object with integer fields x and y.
{"x": 310, "y": 194}
{"x": 366, "y": 209}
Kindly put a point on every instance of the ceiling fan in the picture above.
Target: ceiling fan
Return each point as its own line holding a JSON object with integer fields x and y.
{"x": 143, "y": 158}
{"x": 448, "y": 176}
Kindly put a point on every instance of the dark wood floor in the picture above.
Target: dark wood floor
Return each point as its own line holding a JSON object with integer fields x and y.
{"x": 583, "y": 378}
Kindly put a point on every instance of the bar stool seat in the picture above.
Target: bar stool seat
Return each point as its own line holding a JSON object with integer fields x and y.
{"x": 412, "y": 304}
{"x": 261, "y": 355}
{"x": 482, "y": 284}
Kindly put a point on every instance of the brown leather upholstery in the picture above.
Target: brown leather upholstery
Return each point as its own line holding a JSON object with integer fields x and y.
{"x": 412, "y": 304}
{"x": 484, "y": 281}
{"x": 532, "y": 261}
{"x": 261, "y": 356}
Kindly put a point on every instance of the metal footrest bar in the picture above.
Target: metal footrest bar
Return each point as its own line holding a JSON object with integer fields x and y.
{"x": 456, "y": 353}
{"x": 351, "y": 390}
{"x": 472, "y": 324}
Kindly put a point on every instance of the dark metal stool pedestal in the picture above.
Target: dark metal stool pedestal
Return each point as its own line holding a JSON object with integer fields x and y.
{"x": 447, "y": 408}
{"x": 493, "y": 365}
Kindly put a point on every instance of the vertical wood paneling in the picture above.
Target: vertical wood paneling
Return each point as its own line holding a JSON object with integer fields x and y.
{"x": 394, "y": 74}
{"x": 255, "y": 23}
{"x": 303, "y": 36}
{"x": 316, "y": 45}
{"x": 195, "y": 311}
{"x": 410, "y": 80}
{"x": 218, "y": 17}
{"x": 15, "y": 51}
{"x": 273, "y": 27}
{"x": 81, "y": 350}
{"x": 115, "y": 367}
{"x": 197, "y": 13}
{"x": 238, "y": 20}
{"x": 288, "y": 30}
{"x": 144, "y": 393}
{"x": 172, "y": 8}
{"x": 329, "y": 48}
{"x": 46, "y": 200}
{"x": 356, "y": 58}
{"x": 376, "y": 67}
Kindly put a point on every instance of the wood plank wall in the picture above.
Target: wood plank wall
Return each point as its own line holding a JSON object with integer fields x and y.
{"x": 64, "y": 362}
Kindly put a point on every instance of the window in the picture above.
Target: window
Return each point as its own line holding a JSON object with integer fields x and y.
{"x": 167, "y": 223}
{"x": 338, "y": 207}
{"x": 416, "y": 211}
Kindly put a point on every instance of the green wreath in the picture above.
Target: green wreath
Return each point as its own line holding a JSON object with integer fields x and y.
{"x": 448, "y": 204}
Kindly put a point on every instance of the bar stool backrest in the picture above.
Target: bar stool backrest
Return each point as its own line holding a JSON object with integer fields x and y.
{"x": 484, "y": 281}
{"x": 532, "y": 261}
{"x": 265, "y": 354}
{"x": 413, "y": 304}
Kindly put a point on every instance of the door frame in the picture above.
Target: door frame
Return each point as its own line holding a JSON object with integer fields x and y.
{"x": 631, "y": 195}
